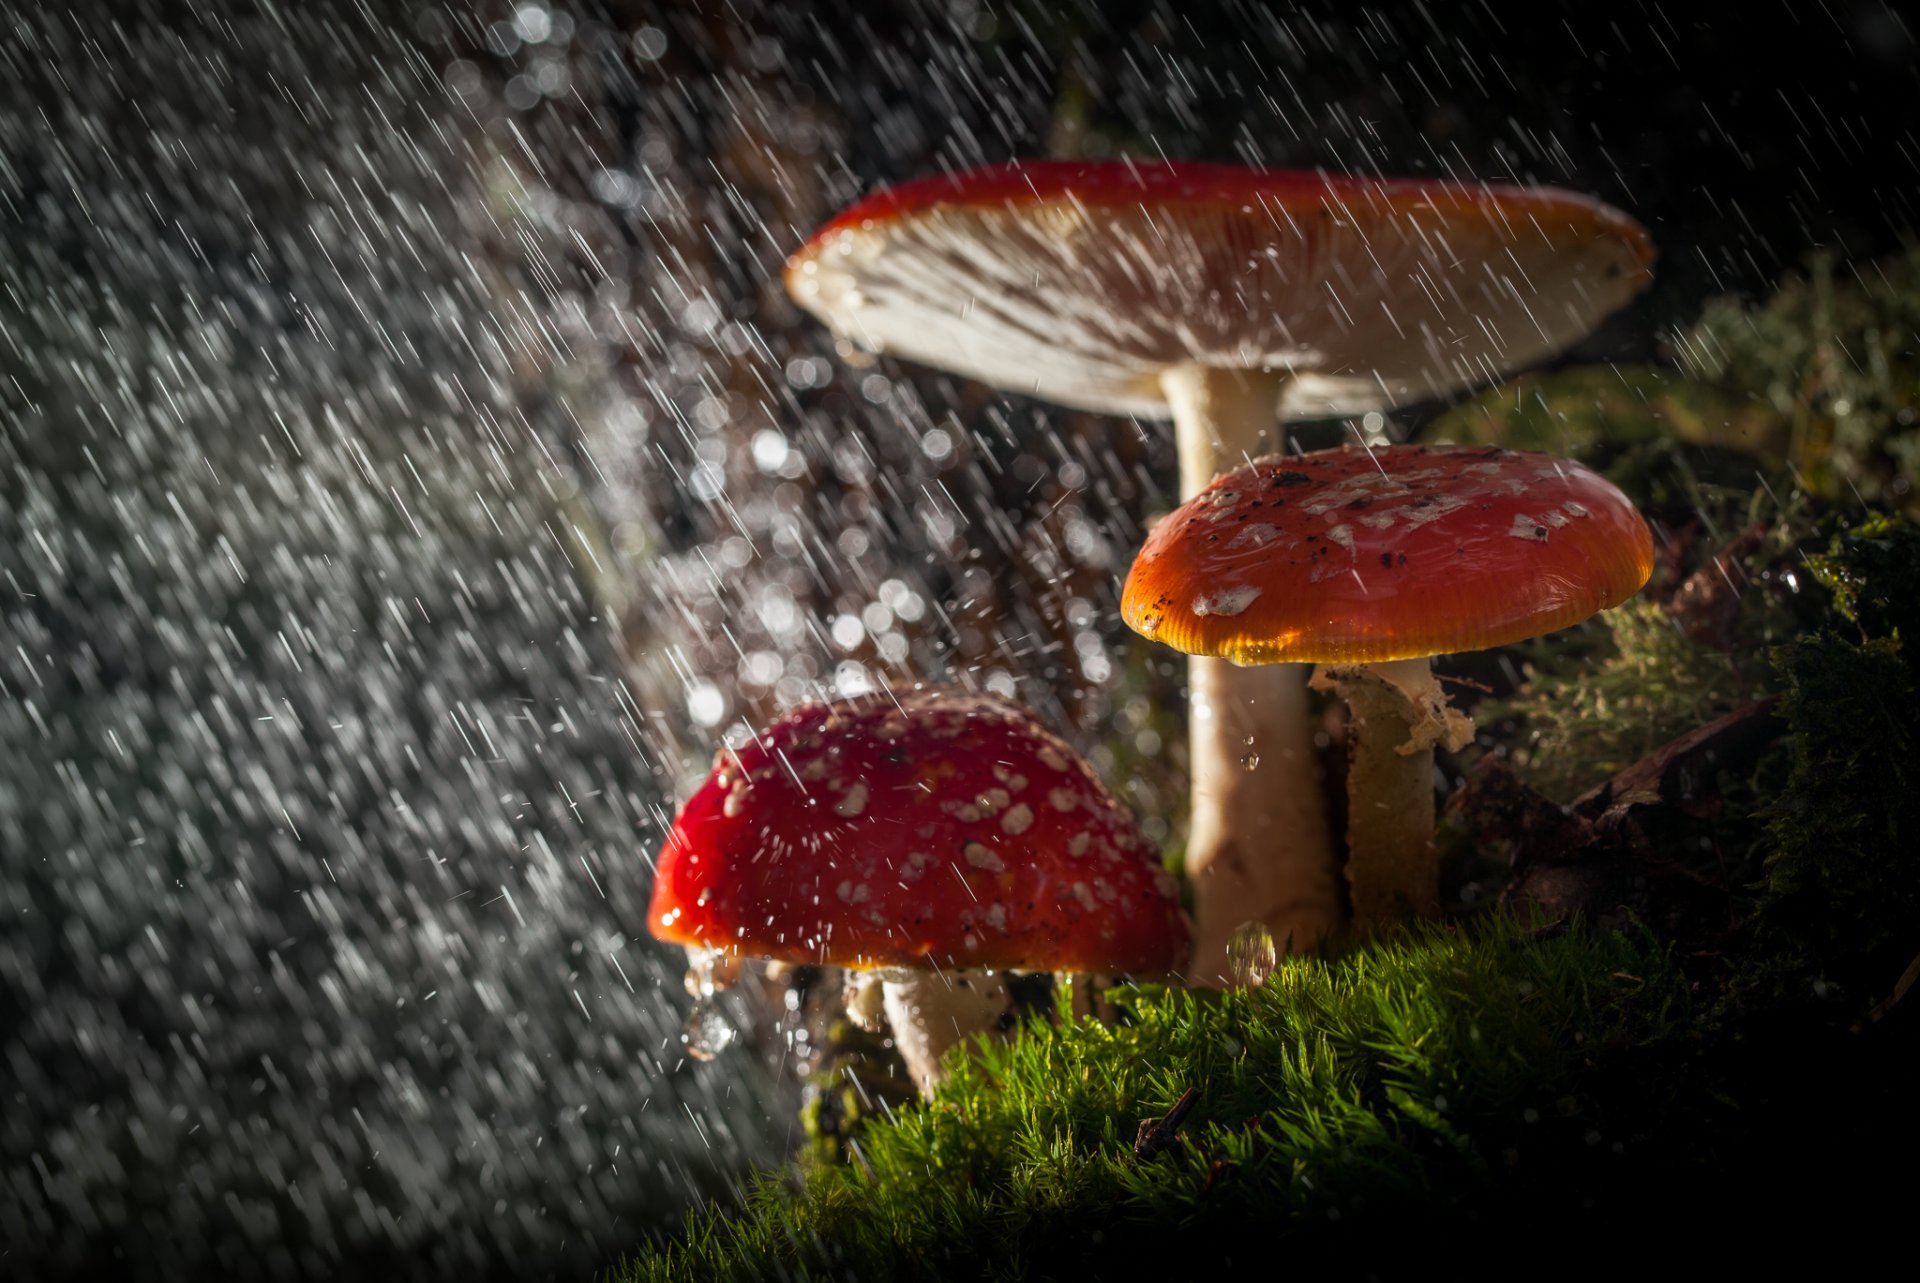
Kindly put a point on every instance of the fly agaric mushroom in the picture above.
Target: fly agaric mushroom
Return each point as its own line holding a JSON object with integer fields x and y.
{"x": 933, "y": 835}
{"x": 1368, "y": 563}
{"x": 1230, "y": 300}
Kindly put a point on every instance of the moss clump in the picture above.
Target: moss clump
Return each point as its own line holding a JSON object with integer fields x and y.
{"x": 856, "y": 1079}
{"x": 1645, "y": 683}
{"x": 1487, "y": 1095}
{"x": 1696, "y": 646}
{"x": 1834, "y": 357}
{"x": 1428, "y": 1078}
{"x": 1844, "y": 877}
{"x": 1595, "y": 413}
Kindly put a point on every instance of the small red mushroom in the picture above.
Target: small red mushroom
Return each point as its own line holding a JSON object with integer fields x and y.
{"x": 1368, "y": 562}
{"x": 935, "y": 835}
{"x": 1229, "y": 300}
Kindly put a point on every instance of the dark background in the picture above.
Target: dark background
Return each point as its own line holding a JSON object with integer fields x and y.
{"x": 383, "y": 393}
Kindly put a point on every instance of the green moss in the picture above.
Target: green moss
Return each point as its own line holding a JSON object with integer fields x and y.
{"x": 1424, "y": 1073}
{"x": 1644, "y": 683}
{"x": 1873, "y": 572}
{"x": 1697, "y": 646}
{"x": 1596, "y": 413}
{"x": 1486, "y": 1095}
{"x": 1844, "y": 877}
{"x": 1834, "y": 356}
{"x": 857, "y": 1078}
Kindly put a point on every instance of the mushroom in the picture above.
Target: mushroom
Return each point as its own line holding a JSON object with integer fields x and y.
{"x": 1231, "y": 300}
{"x": 937, "y": 836}
{"x": 1368, "y": 562}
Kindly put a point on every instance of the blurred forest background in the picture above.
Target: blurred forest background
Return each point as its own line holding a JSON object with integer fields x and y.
{"x": 410, "y": 468}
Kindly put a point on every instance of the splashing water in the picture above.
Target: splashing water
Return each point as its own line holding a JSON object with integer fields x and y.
{"x": 708, "y": 1031}
{"x": 709, "y": 974}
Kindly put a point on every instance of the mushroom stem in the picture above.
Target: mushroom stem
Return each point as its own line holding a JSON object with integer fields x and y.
{"x": 1222, "y": 418}
{"x": 931, "y": 1011}
{"x": 1258, "y": 845}
{"x": 1396, "y": 712}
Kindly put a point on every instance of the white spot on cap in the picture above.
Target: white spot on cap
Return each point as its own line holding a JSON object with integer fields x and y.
{"x": 1063, "y": 799}
{"x": 1256, "y": 535}
{"x": 1228, "y": 601}
{"x": 1017, "y": 820}
{"x": 852, "y": 802}
{"x": 980, "y": 857}
{"x": 1078, "y": 846}
{"x": 1525, "y": 527}
{"x": 1419, "y": 514}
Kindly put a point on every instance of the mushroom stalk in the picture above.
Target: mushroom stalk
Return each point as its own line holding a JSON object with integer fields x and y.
{"x": 1396, "y": 713}
{"x": 1258, "y": 845}
{"x": 931, "y": 1011}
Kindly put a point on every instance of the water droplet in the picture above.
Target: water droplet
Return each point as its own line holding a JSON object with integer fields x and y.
{"x": 1249, "y": 760}
{"x": 709, "y": 971}
{"x": 708, "y": 1033}
{"x": 1251, "y": 956}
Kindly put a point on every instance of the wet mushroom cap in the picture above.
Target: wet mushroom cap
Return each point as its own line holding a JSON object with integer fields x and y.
{"x": 948, "y": 828}
{"x": 1358, "y": 556}
{"x": 1083, "y": 283}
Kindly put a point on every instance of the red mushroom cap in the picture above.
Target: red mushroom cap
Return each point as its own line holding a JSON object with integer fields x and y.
{"x": 945, "y": 827}
{"x": 1084, "y": 283}
{"x": 1358, "y": 556}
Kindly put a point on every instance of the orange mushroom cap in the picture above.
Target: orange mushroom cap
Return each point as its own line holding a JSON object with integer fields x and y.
{"x": 1084, "y": 283}
{"x": 1362, "y": 556}
{"x": 940, "y": 827}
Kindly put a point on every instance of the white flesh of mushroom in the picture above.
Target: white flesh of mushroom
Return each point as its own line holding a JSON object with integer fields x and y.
{"x": 933, "y": 1011}
{"x": 1397, "y": 712}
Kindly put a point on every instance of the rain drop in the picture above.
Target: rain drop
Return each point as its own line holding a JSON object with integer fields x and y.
{"x": 710, "y": 972}
{"x": 708, "y": 1033}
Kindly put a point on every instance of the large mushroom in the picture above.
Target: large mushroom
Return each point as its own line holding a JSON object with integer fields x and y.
{"x": 1368, "y": 562}
{"x": 1231, "y": 300}
{"x": 935, "y": 836}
